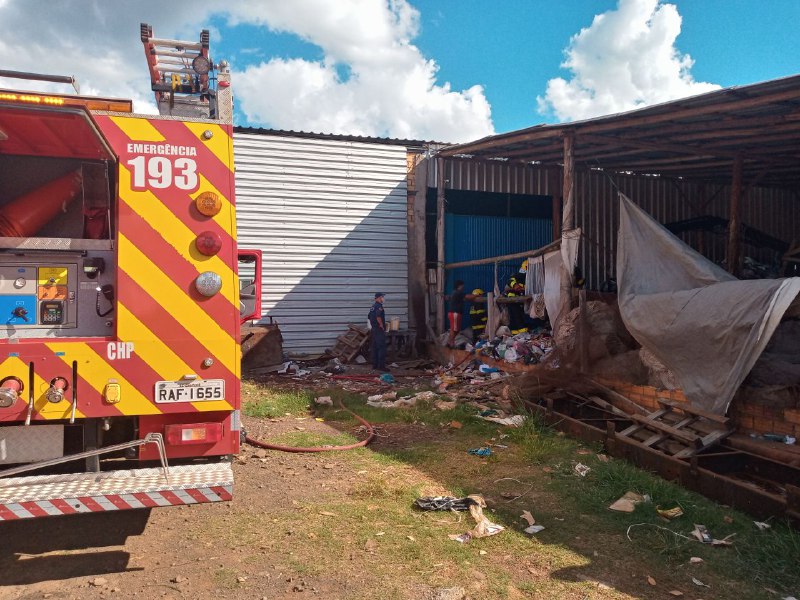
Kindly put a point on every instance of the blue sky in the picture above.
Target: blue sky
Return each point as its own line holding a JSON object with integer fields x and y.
{"x": 449, "y": 70}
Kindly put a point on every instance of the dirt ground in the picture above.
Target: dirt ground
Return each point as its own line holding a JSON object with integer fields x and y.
{"x": 341, "y": 526}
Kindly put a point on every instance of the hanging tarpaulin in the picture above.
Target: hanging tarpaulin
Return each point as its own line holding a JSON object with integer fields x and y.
{"x": 706, "y": 326}
{"x": 558, "y": 268}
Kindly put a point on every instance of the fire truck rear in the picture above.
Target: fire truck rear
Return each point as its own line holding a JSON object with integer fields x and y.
{"x": 119, "y": 297}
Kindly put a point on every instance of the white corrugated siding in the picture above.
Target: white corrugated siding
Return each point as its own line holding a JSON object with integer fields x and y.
{"x": 330, "y": 218}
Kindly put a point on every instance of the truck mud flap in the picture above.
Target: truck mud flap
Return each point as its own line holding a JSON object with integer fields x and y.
{"x": 53, "y": 495}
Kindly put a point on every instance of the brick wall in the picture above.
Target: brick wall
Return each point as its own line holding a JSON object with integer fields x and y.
{"x": 756, "y": 414}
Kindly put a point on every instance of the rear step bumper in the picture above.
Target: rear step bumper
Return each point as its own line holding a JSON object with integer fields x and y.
{"x": 53, "y": 495}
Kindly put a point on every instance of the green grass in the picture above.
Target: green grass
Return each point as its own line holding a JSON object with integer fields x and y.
{"x": 574, "y": 510}
{"x": 261, "y": 401}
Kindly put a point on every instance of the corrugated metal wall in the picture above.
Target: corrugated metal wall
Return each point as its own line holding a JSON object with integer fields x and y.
{"x": 773, "y": 211}
{"x": 330, "y": 218}
{"x": 471, "y": 237}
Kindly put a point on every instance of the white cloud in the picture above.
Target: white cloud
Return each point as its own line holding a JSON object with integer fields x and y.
{"x": 626, "y": 59}
{"x": 391, "y": 88}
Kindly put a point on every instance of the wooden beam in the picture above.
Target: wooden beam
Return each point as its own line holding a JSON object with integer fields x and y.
{"x": 568, "y": 220}
{"x": 734, "y": 223}
{"x": 498, "y": 259}
{"x": 440, "y": 233}
{"x": 554, "y": 184}
{"x": 417, "y": 225}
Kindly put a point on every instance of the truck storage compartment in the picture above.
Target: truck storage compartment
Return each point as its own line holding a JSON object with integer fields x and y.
{"x": 57, "y": 264}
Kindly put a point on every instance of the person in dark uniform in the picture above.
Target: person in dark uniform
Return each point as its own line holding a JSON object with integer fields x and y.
{"x": 377, "y": 320}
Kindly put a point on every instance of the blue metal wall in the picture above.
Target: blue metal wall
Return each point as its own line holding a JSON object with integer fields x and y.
{"x": 469, "y": 237}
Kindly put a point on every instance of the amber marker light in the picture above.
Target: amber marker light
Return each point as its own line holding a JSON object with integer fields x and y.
{"x": 208, "y": 204}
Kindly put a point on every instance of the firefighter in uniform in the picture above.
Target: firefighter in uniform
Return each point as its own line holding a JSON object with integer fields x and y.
{"x": 516, "y": 311}
{"x": 477, "y": 315}
{"x": 377, "y": 321}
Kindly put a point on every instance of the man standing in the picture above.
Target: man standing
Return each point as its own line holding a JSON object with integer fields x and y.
{"x": 377, "y": 321}
{"x": 456, "y": 311}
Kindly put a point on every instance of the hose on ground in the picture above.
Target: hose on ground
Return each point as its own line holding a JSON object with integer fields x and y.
{"x": 361, "y": 444}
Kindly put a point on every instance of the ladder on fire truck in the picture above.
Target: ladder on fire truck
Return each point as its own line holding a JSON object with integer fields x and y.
{"x": 185, "y": 80}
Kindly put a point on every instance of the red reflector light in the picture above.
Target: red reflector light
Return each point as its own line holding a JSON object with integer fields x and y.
{"x": 194, "y": 433}
{"x": 208, "y": 243}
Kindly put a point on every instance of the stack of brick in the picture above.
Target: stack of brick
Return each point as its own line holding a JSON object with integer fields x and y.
{"x": 748, "y": 415}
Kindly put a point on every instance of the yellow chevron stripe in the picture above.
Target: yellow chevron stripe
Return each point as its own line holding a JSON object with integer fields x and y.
{"x": 99, "y": 372}
{"x": 162, "y": 219}
{"x": 158, "y": 355}
{"x": 41, "y": 406}
{"x": 175, "y": 301}
{"x": 221, "y": 144}
{"x": 138, "y": 129}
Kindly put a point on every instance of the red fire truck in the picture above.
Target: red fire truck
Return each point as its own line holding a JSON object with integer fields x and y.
{"x": 119, "y": 296}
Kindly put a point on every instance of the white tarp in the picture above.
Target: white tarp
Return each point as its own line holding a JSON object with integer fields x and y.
{"x": 551, "y": 276}
{"x": 706, "y": 326}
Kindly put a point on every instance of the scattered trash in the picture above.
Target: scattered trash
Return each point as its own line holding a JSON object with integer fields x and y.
{"x": 456, "y": 593}
{"x": 445, "y": 405}
{"x": 387, "y": 378}
{"x": 483, "y": 526}
{"x": 486, "y": 369}
{"x": 327, "y": 513}
{"x": 727, "y": 519}
{"x": 627, "y": 503}
{"x": 456, "y": 424}
{"x": 360, "y": 360}
{"x": 702, "y": 534}
{"x": 651, "y": 581}
{"x": 515, "y": 421}
{"x": 425, "y": 396}
{"x": 695, "y": 560}
{"x": 669, "y": 513}
{"x": 775, "y": 437}
{"x": 429, "y": 503}
{"x": 581, "y": 469}
{"x": 761, "y": 525}
{"x": 484, "y": 451}
{"x": 324, "y": 401}
{"x": 700, "y": 583}
{"x": 334, "y": 367}
{"x": 534, "y": 529}
{"x": 603, "y": 458}
{"x": 676, "y": 593}
{"x": 528, "y": 517}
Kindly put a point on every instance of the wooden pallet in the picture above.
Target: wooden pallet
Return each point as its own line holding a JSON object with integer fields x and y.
{"x": 678, "y": 429}
{"x": 349, "y": 344}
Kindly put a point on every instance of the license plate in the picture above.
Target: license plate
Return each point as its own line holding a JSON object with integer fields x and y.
{"x": 190, "y": 391}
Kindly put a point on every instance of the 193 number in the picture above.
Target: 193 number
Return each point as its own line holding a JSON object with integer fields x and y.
{"x": 160, "y": 172}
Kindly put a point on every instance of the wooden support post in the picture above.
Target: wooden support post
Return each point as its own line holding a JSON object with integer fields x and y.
{"x": 568, "y": 189}
{"x": 554, "y": 184}
{"x": 733, "y": 257}
{"x": 440, "y": 233}
{"x": 417, "y": 275}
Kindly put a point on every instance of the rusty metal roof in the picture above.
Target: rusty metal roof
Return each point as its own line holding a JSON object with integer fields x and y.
{"x": 693, "y": 138}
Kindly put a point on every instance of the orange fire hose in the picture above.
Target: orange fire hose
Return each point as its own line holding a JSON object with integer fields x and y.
{"x": 26, "y": 215}
{"x": 361, "y": 444}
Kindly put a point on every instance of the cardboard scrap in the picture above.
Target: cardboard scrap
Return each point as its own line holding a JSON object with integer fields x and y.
{"x": 627, "y": 503}
{"x": 528, "y": 517}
